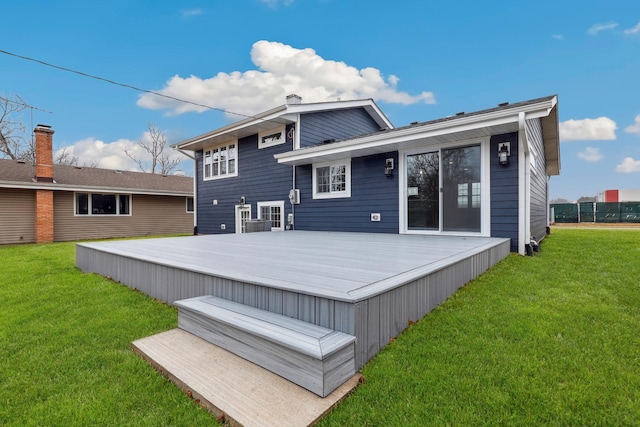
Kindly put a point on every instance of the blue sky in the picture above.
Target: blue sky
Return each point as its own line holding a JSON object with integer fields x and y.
{"x": 419, "y": 61}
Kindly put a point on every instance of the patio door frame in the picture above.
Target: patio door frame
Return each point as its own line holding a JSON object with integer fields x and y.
{"x": 240, "y": 209}
{"x": 485, "y": 191}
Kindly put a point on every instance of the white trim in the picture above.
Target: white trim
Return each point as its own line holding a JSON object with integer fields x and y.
{"x": 485, "y": 179}
{"x": 410, "y": 137}
{"x": 283, "y": 114}
{"x": 219, "y": 147}
{"x": 347, "y": 178}
{"x": 523, "y": 203}
{"x": 278, "y": 203}
{"x": 238, "y": 216}
{"x": 270, "y": 134}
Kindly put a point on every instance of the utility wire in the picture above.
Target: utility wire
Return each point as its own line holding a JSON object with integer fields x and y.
{"x": 26, "y": 58}
{"x": 24, "y": 104}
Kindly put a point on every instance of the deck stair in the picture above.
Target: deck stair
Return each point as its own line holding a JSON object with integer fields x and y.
{"x": 316, "y": 358}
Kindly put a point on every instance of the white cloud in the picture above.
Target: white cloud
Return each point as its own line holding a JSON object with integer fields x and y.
{"x": 282, "y": 70}
{"x": 596, "y": 28}
{"x": 109, "y": 155}
{"x": 557, "y": 36}
{"x": 602, "y": 128}
{"x": 591, "y": 155}
{"x": 191, "y": 12}
{"x": 634, "y": 128}
{"x": 628, "y": 165}
{"x": 633, "y": 30}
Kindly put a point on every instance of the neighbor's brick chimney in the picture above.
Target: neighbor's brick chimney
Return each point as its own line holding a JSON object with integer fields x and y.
{"x": 44, "y": 173}
{"x": 44, "y": 153}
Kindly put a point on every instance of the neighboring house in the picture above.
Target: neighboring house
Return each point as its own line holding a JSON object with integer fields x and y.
{"x": 342, "y": 166}
{"x": 47, "y": 202}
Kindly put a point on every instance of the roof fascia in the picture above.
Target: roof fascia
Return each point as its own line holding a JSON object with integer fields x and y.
{"x": 257, "y": 119}
{"x": 288, "y": 114}
{"x": 492, "y": 118}
{"x": 89, "y": 189}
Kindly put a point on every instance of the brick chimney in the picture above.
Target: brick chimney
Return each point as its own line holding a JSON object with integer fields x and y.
{"x": 44, "y": 153}
{"x": 44, "y": 173}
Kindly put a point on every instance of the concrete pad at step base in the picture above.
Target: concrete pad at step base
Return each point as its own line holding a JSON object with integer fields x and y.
{"x": 224, "y": 383}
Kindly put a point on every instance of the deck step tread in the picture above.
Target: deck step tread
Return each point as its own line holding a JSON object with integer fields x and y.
{"x": 314, "y": 357}
{"x": 312, "y": 340}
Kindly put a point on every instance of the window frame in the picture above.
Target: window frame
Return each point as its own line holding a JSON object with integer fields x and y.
{"x": 218, "y": 148}
{"x": 193, "y": 204}
{"x": 282, "y": 130}
{"x": 271, "y": 204}
{"x": 346, "y": 163}
{"x": 90, "y": 204}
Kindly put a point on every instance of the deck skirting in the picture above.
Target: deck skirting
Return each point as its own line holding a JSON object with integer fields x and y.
{"x": 375, "y": 301}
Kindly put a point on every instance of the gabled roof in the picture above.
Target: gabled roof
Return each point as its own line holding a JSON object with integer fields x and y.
{"x": 16, "y": 174}
{"x": 493, "y": 121}
{"x": 282, "y": 115}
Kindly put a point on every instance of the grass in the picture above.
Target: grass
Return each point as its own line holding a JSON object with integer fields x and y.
{"x": 548, "y": 340}
{"x": 65, "y": 357}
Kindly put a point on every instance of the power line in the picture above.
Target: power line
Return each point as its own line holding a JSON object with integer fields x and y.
{"x": 26, "y": 58}
{"x": 24, "y": 104}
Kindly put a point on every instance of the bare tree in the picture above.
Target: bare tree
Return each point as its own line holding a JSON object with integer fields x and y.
{"x": 66, "y": 157}
{"x": 156, "y": 147}
{"x": 14, "y": 144}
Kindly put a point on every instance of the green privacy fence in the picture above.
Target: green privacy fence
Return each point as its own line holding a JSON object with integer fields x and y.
{"x": 595, "y": 212}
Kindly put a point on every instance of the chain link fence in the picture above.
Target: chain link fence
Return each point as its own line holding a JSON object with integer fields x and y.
{"x": 598, "y": 212}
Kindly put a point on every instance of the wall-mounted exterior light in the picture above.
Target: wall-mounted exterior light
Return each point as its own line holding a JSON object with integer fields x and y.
{"x": 504, "y": 151}
{"x": 388, "y": 166}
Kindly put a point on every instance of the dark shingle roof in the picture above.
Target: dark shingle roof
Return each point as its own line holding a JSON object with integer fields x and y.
{"x": 72, "y": 177}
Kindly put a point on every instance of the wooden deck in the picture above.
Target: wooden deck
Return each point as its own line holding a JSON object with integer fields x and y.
{"x": 366, "y": 285}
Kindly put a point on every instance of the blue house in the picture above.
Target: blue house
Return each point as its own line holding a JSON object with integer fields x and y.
{"x": 342, "y": 166}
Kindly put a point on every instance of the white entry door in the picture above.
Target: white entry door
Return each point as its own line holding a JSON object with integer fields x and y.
{"x": 243, "y": 214}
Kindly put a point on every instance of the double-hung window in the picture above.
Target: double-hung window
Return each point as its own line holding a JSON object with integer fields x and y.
{"x": 220, "y": 161}
{"x": 332, "y": 180}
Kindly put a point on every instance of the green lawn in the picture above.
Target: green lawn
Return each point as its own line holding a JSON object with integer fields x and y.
{"x": 548, "y": 340}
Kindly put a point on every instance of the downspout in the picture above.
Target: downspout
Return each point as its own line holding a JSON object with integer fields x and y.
{"x": 524, "y": 174}
{"x": 296, "y": 146}
{"x": 195, "y": 180}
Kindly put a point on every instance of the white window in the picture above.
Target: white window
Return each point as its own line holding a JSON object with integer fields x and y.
{"x": 332, "y": 180}
{"x": 272, "y": 137}
{"x": 190, "y": 206}
{"x": 102, "y": 204}
{"x": 221, "y": 161}
{"x": 274, "y": 212}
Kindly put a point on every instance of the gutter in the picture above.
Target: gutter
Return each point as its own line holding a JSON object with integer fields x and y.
{"x": 89, "y": 189}
{"x": 470, "y": 122}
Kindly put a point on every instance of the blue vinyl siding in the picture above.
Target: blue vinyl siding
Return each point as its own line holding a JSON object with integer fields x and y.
{"x": 539, "y": 184}
{"x": 260, "y": 178}
{"x": 371, "y": 192}
{"x": 315, "y": 128}
{"x": 504, "y": 191}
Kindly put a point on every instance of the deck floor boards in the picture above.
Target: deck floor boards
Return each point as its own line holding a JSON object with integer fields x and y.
{"x": 343, "y": 266}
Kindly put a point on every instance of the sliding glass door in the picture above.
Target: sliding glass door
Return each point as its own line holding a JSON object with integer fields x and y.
{"x": 443, "y": 190}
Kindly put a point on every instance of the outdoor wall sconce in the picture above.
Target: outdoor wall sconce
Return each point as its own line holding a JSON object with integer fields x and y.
{"x": 504, "y": 151}
{"x": 388, "y": 166}
{"x": 241, "y": 201}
